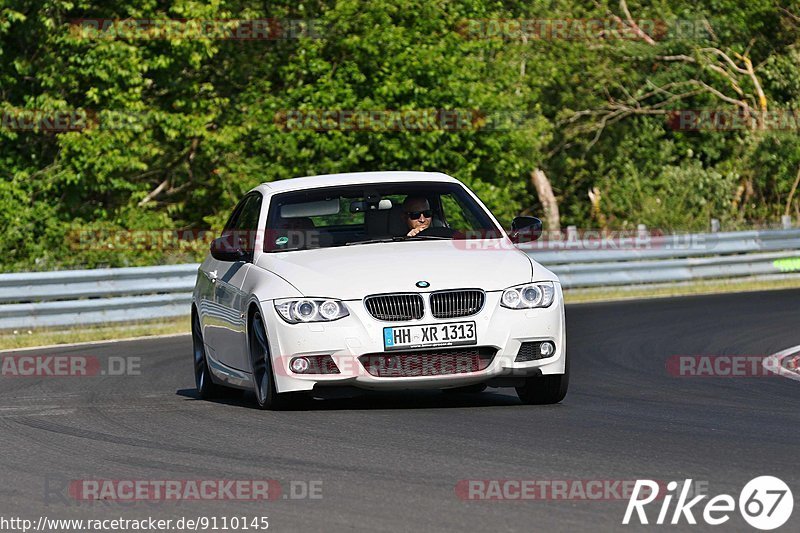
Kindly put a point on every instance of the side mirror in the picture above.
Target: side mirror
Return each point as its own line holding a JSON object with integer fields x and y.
{"x": 228, "y": 248}
{"x": 525, "y": 229}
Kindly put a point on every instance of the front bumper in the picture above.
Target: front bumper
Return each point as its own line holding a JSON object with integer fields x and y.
{"x": 346, "y": 339}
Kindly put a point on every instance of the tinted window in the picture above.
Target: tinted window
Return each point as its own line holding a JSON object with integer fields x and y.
{"x": 245, "y": 216}
{"x": 340, "y": 216}
{"x": 242, "y": 227}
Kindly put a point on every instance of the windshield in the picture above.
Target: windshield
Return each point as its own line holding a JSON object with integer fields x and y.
{"x": 361, "y": 214}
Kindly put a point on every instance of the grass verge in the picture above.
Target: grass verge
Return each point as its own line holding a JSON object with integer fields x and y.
{"x": 574, "y": 296}
{"x": 45, "y": 337}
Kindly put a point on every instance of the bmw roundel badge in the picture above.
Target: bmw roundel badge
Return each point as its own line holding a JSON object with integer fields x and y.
{"x": 423, "y": 284}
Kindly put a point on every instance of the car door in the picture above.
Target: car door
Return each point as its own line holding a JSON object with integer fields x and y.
{"x": 225, "y": 317}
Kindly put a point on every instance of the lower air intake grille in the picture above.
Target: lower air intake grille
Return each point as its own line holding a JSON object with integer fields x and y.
{"x": 428, "y": 363}
{"x": 530, "y": 351}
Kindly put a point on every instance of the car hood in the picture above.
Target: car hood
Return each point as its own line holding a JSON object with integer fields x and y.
{"x": 352, "y": 272}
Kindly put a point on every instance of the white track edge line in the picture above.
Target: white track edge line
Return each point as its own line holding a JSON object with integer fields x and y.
{"x": 92, "y": 343}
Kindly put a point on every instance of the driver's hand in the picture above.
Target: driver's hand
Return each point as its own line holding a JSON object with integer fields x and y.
{"x": 414, "y": 231}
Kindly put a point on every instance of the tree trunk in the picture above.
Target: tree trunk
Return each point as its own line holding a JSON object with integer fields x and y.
{"x": 544, "y": 191}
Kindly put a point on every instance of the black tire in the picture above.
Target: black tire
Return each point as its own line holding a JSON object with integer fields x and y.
{"x": 545, "y": 390}
{"x": 206, "y": 388}
{"x": 267, "y": 396}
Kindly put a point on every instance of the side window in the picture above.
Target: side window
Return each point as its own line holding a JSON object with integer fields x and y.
{"x": 230, "y": 225}
{"x": 245, "y": 215}
{"x": 248, "y": 217}
{"x": 243, "y": 224}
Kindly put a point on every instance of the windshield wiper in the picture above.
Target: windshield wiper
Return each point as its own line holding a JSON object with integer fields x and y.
{"x": 425, "y": 238}
{"x": 373, "y": 241}
{"x": 401, "y": 239}
{"x": 294, "y": 249}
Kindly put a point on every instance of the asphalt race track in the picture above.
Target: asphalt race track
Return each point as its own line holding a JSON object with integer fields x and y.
{"x": 391, "y": 462}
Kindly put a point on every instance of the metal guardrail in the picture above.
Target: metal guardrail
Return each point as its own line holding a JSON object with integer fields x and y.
{"x": 85, "y": 297}
{"x": 595, "y": 262}
{"x": 591, "y": 248}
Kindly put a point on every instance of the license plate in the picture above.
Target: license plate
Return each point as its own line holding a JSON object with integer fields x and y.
{"x": 430, "y": 335}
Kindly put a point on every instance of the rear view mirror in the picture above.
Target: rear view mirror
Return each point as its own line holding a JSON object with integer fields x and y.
{"x": 360, "y": 207}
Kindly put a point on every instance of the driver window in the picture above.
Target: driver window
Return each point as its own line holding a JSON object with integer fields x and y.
{"x": 243, "y": 224}
{"x": 245, "y": 216}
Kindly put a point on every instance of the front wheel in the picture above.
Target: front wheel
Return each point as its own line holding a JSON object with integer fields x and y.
{"x": 202, "y": 375}
{"x": 267, "y": 396}
{"x": 544, "y": 390}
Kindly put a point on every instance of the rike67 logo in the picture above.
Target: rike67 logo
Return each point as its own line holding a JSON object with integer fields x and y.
{"x": 765, "y": 503}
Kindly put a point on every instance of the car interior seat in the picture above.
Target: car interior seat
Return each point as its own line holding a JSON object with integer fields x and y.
{"x": 376, "y": 222}
{"x": 296, "y": 223}
{"x": 397, "y": 224}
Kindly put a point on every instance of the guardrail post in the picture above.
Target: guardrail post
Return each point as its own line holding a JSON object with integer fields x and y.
{"x": 642, "y": 237}
{"x": 786, "y": 221}
{"x": 572, "y": 233}
{"x": 714, "y": 225}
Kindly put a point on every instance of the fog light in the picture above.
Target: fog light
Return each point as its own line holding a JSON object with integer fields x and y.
{"x": 299, "y": 365}
{"x": 547, "y": 349}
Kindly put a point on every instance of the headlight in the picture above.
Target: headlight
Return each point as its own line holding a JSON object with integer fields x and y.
{"x": 300, "y": 310}
{"x": 529, "y": 296}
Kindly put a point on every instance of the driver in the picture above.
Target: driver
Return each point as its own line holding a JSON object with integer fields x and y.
{"x": 417, "y": 214}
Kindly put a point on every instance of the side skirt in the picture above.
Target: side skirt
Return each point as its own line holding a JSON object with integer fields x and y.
{"x": 230, "y": 377}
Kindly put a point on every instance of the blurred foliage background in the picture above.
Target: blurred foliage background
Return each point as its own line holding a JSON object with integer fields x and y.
{"x": 182, "y": 126}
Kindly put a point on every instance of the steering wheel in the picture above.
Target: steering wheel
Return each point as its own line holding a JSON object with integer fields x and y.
{"x": 438, "y": 232}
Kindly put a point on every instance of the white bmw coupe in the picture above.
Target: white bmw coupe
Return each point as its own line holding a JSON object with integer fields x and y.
{"x": 375, "y": 280}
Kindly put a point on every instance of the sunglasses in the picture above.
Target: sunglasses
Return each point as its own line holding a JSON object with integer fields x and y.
{"x": 414, "y": 215}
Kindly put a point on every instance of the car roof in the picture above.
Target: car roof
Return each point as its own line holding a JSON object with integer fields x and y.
{"x": 353, "y": 178}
